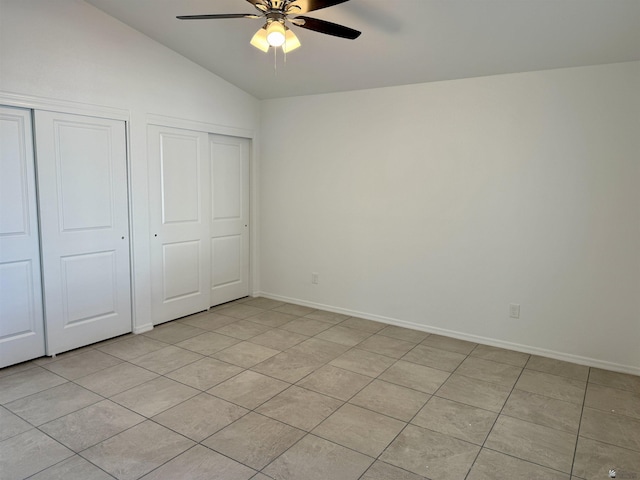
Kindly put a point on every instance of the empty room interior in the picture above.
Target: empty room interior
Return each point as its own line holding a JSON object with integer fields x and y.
{"x": 320, "y": 239}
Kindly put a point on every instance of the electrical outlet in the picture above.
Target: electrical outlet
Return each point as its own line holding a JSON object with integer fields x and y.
{"x": 514, "y": 310}
{"x": 314, "y": 278}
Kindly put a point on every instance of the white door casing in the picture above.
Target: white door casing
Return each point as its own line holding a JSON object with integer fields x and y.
{"x": 179, "y": 222}
{"x": 21, "y": 315}
{"x": 229, "y": 218}
{"x": 83, "y": 197}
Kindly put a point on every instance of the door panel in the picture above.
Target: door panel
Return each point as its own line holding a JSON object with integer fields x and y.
{"x": 229, "y": 218}
{"x": 21, "y": 315}
{"x": 82, "y": 181}
{"x": 179, "y": 220}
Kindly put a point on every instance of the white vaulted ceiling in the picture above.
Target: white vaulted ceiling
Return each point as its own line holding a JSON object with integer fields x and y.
{"x": 402, "y": 41}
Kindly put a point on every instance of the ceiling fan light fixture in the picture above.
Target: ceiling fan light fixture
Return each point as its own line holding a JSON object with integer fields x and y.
{"x": 276, "y": 35}
{"x": 259, "y": 40}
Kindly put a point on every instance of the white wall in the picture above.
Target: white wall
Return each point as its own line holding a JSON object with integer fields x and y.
{"x": 68, "y": 50}
{"x": 439, "y": 204}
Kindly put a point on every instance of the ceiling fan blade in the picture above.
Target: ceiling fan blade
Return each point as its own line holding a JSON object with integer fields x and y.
{"x": 220, "y": 15}
{"x": 304, "y": 6}
{"x": 328, "y": 28}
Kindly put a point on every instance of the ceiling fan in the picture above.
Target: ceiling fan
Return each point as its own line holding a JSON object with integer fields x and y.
{"x": 275, "y": 32}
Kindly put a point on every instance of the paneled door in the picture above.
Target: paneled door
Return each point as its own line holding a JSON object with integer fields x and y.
{"x": 229, "y": 218}
{"x": 83, "y": 196}
{"x": 179, "y": 221}
{"x": 21, "y": 319}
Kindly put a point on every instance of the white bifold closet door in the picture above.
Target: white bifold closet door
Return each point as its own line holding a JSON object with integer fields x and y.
{"x": 199, "y": 197}
{"x": 83, "y": 197}
{"x": 21, "y": 317}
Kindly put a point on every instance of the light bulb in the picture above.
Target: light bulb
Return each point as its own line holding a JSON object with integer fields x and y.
{"x": 275, "y": 34}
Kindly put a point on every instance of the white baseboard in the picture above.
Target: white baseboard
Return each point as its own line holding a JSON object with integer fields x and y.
{"x": 587, "y": 361}
{"x": 143, "y": 328}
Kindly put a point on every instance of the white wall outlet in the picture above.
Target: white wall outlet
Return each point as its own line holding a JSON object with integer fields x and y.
{"x": 514, "y": 310}
{"x": 314, "y": 278}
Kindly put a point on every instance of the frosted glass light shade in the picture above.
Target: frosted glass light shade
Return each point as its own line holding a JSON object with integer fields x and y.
{"x": 259, "y": 40}
{"x": 291, "y": 42}
{"x": 275, "y": 34}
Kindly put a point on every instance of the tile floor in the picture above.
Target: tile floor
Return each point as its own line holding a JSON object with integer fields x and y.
{"x": 258, "y": 389}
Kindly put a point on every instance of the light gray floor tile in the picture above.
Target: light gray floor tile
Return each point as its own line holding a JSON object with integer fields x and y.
{"x": 297, "y": 310}
{"x": 406, "y": 334}
{"x": 535, "y": 443}
{"x": 364, "y": 362}
{"x": 249, "y": 389}
{"x": 288, "y": 366}
{"x": 200, "y": 463}
{"x": 477, "y": 393}
{"x": 543, "y": 411}
{"x": 325, "y": 316}
{"x": 254, "y": 440}
{"x": 155, "y": 396}
{"x": 173, "y": 332}
{"x": 272, "y": 319}
{"x": 418, "y": 377}
{"x": 11, "y": 425}
{"x": 167, "y": 359}
{"x": 344, "y": 336}
{"x": 455, "y": 419}
{"x": 73, "y": 468}
{"x": 82, "y": 364}
{"x": 594, "y": 460}
{"x": 560, "y": 388}
{"x": 383, "y": 471}
{"x": 28, "y": 453}
{"x": 205, "y": 373}
{"x": 116, "y": 379}
{"x": 246, "y": 354}
{"x": 389, "y": 399}
{"x": 61, "y": 356}
{"x": 133, "y": 347}
{"x": 359, "y": 429}
{"x": 300, "y": 408}
{"x": 362, "y": 324}
{"x": 450, "y": 344}
{"x": 391, "y": 347}
{"x": 558, "y": 367}
{"x": 335, "y": 382}
{"x": 314, "y": 458}
{"x": 20, "y": 367}
{"x": 208, "y": 321}
{"x": 243, "y": 329}
{"x": 200, "y": 416}
{"x": 306, "y": 326}
{"x": 613, "y": 400}
{"x": 279, "y": 339}
{"x": 53, "y": 403}
{"x": 493, "y": 372}
{"x": 208, "y": 343}
{"x": 611, "y": 428}
{"x": 322, "y": 351}
{"x": 500, "y": 355}
{"x": 26, "y": 383}
{"x": 492, "y": 465}
{"x": 435, "y": 357}
{"x": 84, "y": 428}
{"x": 137, "y": 451}
{"x": 431, "y": 454}
{"x": 621, "y": 381}
{"x": 240, "y": 311}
